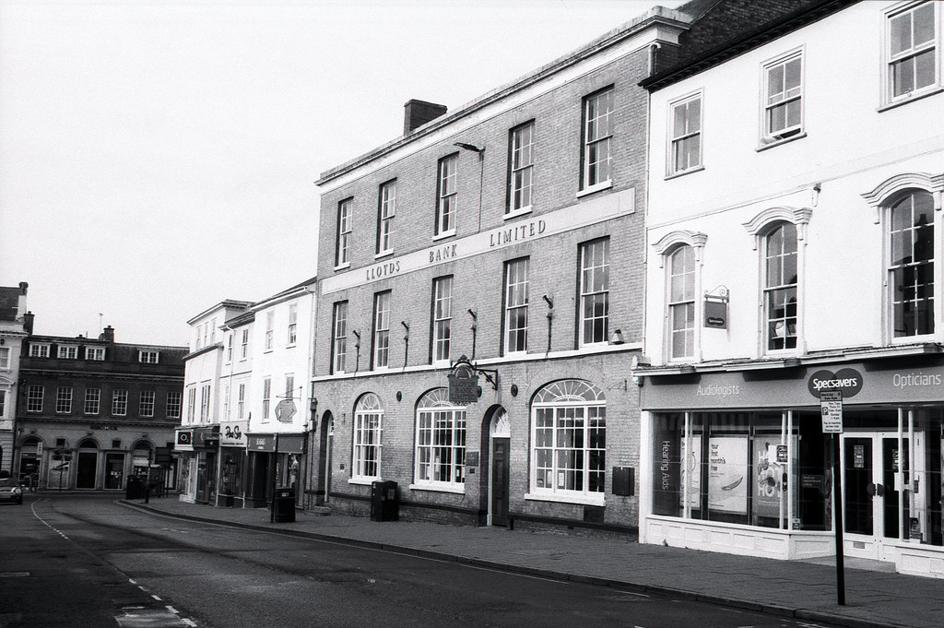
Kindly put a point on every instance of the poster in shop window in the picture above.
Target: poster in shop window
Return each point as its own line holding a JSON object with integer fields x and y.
{"x": 691, "y": 471}
{"x": 768, "y": 475}
{"x": 727, "y": 471}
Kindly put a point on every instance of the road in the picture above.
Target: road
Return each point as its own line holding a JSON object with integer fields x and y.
{"x": 70, "y": 560}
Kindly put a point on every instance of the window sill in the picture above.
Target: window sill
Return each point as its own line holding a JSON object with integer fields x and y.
{"x": 343, "y": 266}
{"x": 458, "y": 489}
{"x": 445, "y": 234}
{"x": 521, "y": 211}
{"x": 904, "y": 100}
{"x": 586, "y": 500}
{"x": 775, "y": 143}
{"x": 291, "y": 346}
{"x": 593, "y": 189}
{"x": 682, "y": 173}
{"x": 383, "y": 254}
{"x": 362, "y": 481}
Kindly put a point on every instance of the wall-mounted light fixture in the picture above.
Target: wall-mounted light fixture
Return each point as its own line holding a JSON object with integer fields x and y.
{"x": 470, "y": 147}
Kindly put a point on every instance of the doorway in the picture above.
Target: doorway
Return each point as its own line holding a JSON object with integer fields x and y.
{"x": 323, "y": 487}
{"x": 85, "y": 469}
{"x": 878, "y": 500}
{"x": 114, "y": 470}
{"x": 499, "y": 468}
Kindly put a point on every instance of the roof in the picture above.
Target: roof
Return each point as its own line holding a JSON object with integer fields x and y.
{"x": 225, "y": 303}
{"x": 657, "y": 14}
{"x": 700, "y": 50}
{"x": 285, "y": 293}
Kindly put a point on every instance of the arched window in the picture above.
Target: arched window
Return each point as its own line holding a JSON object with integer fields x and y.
{"x": 780, "y": 287}
{"x": 368, "y": 420}
{"x": 911, "y": 263}
{"x": 440, "y": 442}
{"x": 568, "y": 441}
{"x": 682, "y": 303}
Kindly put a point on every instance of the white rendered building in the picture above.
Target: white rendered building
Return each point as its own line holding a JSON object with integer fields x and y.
{"x": 794, "y": 246}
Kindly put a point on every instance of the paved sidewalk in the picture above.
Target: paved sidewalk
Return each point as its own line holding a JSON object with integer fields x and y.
{"x": 799, "y": 589}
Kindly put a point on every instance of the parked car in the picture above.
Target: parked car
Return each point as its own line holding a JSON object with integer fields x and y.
{"x": 10, "y": 490}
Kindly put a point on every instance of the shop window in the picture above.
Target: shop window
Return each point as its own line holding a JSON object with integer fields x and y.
{"x": 440, "y": 442}
{"x": 910, "y": 220}
{"x": 368, "y": 419}
{"x": 568, "y": 441}
{"x": 736, "y": 467}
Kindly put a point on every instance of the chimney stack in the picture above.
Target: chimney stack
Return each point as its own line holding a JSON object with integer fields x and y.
{"x": 416, "y": 113}
{"x": 28, "y": 323}
{"x": 108, "y": 334}
{"x": 21, "y": 299}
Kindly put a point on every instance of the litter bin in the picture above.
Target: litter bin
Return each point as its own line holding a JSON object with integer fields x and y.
{"x": 134, "y": 489}
{"x": 283, "y": 505}
{"x": 384, "y": 501}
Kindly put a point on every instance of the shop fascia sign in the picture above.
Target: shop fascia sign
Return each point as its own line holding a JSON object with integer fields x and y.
{"x": 233, "y": 433}
{"x": 184, "y": 440}
{"x": 846, "y": 381}
{"x": 560, "y": 221}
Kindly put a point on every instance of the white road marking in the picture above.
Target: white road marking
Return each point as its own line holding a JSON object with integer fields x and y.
{"x": 157, "y": 598}
{"x": 46, "y": 523}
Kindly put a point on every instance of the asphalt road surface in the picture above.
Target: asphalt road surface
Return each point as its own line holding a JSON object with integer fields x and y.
{"x": 86, "y": 561}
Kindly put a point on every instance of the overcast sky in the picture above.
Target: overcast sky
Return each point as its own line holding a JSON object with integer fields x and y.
{"x": 158, "y": 157}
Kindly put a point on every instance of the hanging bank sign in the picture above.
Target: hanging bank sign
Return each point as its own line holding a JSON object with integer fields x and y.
{"x": 583, "y": 214}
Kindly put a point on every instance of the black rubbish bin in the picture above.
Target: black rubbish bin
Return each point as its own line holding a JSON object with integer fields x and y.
{"x": 283, "y": 504}
{"x": 384, "y": 501}
{"x": 134, "y": 489}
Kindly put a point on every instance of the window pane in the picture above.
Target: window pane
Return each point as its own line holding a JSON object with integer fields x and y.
{"x": 900, "y": 32}
{"x": 924, "y": 69}
{"x": 774, "y": 82}
{"x": 924, "y": 23}
{"x": 903, "y": 76}
{"x": 792, "y": 75}
{"x": 694, "y": 115}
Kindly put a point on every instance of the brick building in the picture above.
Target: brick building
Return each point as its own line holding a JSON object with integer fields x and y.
{"x": 91, "y": 412}
{"x": 509, "y": 231}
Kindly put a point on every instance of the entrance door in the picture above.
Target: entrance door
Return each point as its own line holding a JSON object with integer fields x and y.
{"x": 86, "y": 467}
{"x": 499, "y": 478}
{"x": 875, "y": 473}
{"x": 114, "y": 470}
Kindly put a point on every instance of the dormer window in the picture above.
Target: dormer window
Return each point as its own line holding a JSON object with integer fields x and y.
{"x": 148, "y": 357}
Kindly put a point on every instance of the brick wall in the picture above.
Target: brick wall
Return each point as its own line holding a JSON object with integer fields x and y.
{"x": 477, "y": 285}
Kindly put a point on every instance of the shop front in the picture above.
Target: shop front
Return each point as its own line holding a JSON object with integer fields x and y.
{"x": 738, "y": 461}
{"x": 232, "y": 463}
{"x": 275, "y": 461}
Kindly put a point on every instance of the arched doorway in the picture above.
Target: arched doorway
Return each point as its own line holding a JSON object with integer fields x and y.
{"x": 87, "y": 464}
{"x": 324, "y": 456}
{"x": 496, "y": 465}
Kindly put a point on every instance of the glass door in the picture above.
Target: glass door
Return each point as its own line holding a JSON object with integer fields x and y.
{"x": 875, "y": 473}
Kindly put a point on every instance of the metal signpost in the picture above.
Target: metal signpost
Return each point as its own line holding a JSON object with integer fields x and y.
{"x": 831, "y": 409}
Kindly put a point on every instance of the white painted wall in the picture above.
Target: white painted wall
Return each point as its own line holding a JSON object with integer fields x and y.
{"x": 282, "y": 359}
{"x": 851, "y": 147}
